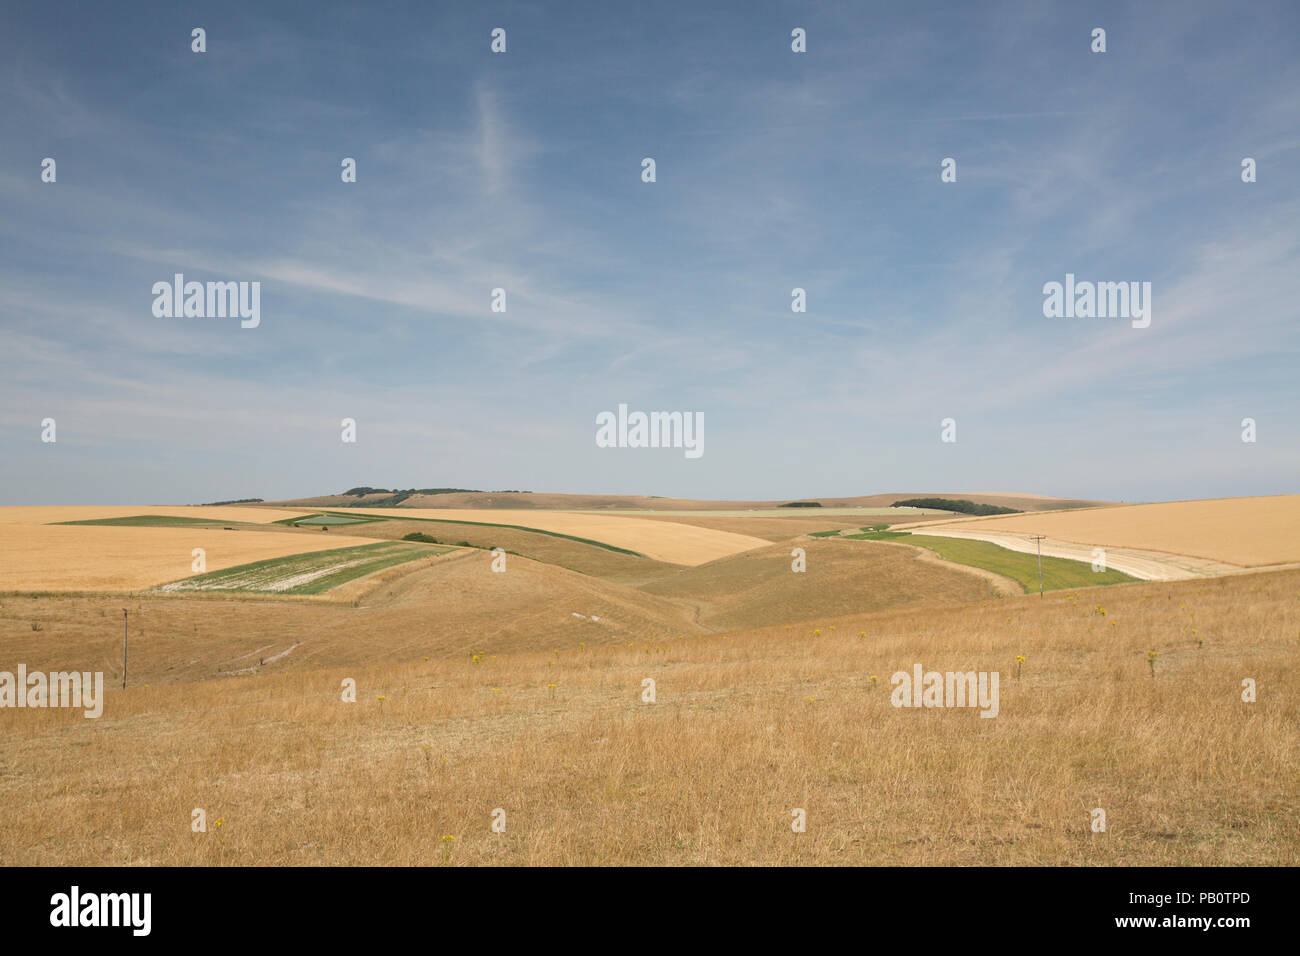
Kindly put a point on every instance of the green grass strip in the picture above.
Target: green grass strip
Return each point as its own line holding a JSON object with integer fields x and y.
{"x": 328, "y": 518}
{"x": 1058, "y": 573}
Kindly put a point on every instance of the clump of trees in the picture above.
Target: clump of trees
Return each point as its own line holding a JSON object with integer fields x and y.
{"x": 421, "y": 537}
{"x": 960, "y": 505}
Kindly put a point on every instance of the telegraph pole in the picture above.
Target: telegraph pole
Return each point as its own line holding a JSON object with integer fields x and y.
{"x": 123, "y": 648}
{"x": 1039, "y": 538}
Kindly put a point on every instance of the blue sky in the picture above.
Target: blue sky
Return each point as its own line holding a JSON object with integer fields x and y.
{"x": 774, "y": 170}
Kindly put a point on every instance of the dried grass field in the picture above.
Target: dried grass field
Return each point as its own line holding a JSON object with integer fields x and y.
{"x": 748, "y": 725}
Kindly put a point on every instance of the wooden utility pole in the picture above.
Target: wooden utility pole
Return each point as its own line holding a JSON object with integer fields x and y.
{"x": 123, "y": 648}
{"x": 1039, "y": 539}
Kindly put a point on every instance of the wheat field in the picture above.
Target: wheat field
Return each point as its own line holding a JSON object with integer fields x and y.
{"x": 97, "y": 558}
{"x": 662, "y": 541}
{"x": 1247, "y": 532}
{"x": 50, "y": 514}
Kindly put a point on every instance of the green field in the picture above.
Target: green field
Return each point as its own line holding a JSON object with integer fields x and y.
{"x": 320, "y": 520}
{"x": 309, "y": 573}
{"x": 875, "y": 532}
{"x": 150, "y": 521}
{"x": 1022, "y": 568}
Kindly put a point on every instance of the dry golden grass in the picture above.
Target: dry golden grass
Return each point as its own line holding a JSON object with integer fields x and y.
{"x": 453, "y": 605}
{"x": 1249, "y": 532}
{"x": 841, "y": 577}
{"x": 100, "y": 558}
{"x": 661, "y": 541}
{"x": 747, "y": 727}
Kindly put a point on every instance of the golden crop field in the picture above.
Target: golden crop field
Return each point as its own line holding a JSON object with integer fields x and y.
{"x": 97, "y": 558}
{"x": 662, "y": 541}
{"x": 1248, "y": 532}
{"x": 50, "y": 514}
{"x": 548, "y": 549}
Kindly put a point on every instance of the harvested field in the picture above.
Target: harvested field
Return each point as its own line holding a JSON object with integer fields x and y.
{"x": 784, "y": 527}
{"x": 1142, "y": 565}
{"x": 49, "y": 514}
{"x": 1246, "y": 532}
{"x": 769, "y": 529}
{"x": 548, "y": 549}
{"x": 673, "y": 543}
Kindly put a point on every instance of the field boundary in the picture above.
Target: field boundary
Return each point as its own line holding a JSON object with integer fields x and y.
{"x": 1143, "y": 564}
{"x": 519, "y": 527}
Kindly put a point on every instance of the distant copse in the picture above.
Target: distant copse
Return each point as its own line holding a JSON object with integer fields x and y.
{"x": 960, "y": 505}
